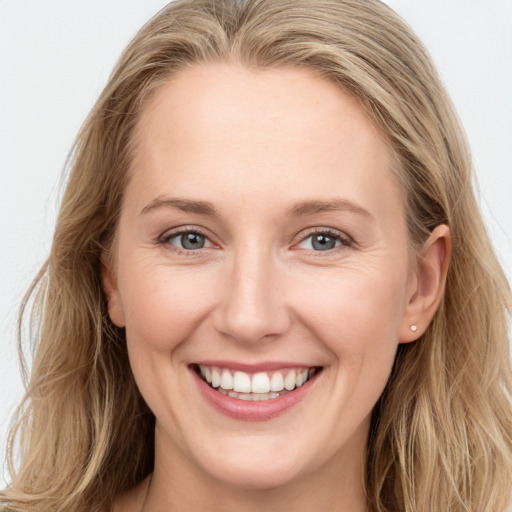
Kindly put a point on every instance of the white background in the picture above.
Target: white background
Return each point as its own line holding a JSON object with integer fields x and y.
{"x": 55, "y": 57}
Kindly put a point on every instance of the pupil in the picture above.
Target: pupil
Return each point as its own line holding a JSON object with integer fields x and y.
{"x": 192, "y": 241}
{"x": 323, "y": 242}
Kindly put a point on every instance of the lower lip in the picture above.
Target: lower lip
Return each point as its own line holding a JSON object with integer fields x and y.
{"x": 244, "y": 410}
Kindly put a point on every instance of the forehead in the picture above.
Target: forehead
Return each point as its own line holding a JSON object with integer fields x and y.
{"x": 249, "y": 132}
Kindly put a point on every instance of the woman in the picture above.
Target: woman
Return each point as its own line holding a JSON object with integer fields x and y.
{"x": 270, "y": 286}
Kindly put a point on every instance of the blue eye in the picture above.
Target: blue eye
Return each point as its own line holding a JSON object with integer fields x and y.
{"x": 189, "y": 240}
{"x": 322, "y": 241}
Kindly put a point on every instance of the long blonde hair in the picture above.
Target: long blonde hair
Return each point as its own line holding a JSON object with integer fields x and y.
{"x": 441, "y": 434}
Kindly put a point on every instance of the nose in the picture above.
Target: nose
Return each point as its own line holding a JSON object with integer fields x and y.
{"x": 252, "y": 306}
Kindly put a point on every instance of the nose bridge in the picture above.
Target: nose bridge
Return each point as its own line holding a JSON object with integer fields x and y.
{"x": 252, "y": 305}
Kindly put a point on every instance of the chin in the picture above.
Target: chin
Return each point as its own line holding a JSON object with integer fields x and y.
{"x": 252, "y": 477}
{"x": 254, "y": 464}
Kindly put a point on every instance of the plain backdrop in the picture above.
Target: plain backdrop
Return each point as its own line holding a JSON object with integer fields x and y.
{"x": 55, "y": 57}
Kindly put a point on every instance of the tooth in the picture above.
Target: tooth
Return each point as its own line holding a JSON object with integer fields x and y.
{"x": 277, "y": 382}
{"x": 226, "y": 380}
{"x": 215, "y": 378}
{"x": 205, "y": 373}
{"x": 289, "y": 381}
{"x": 242, "y": 382}
{"x": 260, "y": 383}
{"x": 258, "y": 386}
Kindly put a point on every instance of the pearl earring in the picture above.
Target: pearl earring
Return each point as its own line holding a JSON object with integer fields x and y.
{"x": 414, "y": 328}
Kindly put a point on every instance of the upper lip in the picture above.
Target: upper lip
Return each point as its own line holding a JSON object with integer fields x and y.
{"x": 262, "y": 366}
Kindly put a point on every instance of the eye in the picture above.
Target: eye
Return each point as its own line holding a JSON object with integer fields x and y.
{"x": 188, "y": 240}
{"x": 323, "y": 241}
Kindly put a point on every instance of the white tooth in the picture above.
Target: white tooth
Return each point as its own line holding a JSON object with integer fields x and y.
{"x": 273, "y": 395}
{"x": 233, "y": 394}
{"x": 247, "y": 396}
{"x": 207, "y": 374}
{"x": 277, "y": 382}
{"x": 289, "y": 381}
{"x": 311, "y": 372}
{"x": 201, "y": 370}
{"x": 215, "y": 378}
{"x": 299, "y": 379}
{"x": 260, "y": 383}
{"x": 242, "y": 382}
{"x": 226, "y": 380}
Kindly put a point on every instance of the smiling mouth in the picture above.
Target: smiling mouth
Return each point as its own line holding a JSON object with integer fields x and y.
{"x": 260, "y": 386}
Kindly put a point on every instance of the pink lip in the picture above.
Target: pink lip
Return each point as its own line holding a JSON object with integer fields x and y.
{"x": 251, "y": 411}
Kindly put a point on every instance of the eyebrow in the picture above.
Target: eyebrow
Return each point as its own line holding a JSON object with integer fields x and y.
{"x": 298, "y": 210}
{"x": 185, "y": 205}
{"x": 312, "y": 207}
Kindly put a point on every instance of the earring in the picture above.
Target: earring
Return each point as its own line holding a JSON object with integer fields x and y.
{"x": 414, "y": 328}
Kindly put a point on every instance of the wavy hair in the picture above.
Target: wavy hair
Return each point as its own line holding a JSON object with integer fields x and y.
{"x": 441, "y": 434}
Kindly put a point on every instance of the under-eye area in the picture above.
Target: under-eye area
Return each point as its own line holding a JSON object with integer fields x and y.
{"x": 257, "y": 386}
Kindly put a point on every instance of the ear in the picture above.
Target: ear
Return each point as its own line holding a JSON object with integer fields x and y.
{"x": 110, "y": 287}
{"x": 427, "y": 284}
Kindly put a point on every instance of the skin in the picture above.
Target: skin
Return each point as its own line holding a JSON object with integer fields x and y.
{"x": 254, "y": 144}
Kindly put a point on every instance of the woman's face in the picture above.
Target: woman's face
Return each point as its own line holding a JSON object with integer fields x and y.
{"x": 262, "y": 242}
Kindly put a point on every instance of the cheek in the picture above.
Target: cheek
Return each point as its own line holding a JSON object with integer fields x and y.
{"x": 162, "y": 307}
{"x": 357, "y": 316}
{"x": 348, "y": 296}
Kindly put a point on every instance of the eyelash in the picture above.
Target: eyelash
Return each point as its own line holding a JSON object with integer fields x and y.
{"x": 165, "y": 239}
{"x": 344, "y": 240}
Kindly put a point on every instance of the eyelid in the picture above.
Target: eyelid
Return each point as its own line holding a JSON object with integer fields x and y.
{"x": 172, "y": 232}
